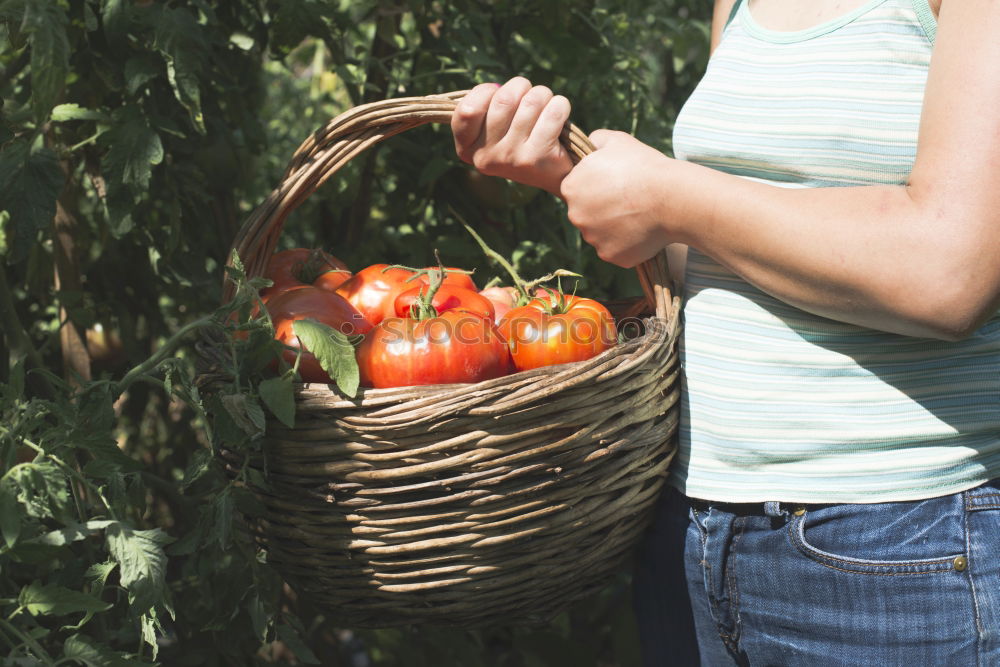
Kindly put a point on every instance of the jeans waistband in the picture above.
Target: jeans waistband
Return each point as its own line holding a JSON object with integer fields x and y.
{"x": 767, "y": 508}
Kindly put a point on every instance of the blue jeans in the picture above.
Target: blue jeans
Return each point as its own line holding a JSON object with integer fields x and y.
{"x": 912, "y": 584}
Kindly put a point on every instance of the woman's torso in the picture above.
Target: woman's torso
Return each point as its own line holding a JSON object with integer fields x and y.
{"x": 780, "y": 404}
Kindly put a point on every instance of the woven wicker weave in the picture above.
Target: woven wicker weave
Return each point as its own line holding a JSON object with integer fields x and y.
{"x": 464, "y": 505}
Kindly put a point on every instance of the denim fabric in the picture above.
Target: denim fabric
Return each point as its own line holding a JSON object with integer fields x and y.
{"x": 910, "y": 583}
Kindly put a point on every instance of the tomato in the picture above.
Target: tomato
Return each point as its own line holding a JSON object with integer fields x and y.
{"x": 299, "y": 267}
{"x": 316, "y": 304}
{"x": 373, "y": 289}
{"x": 557, "y": 329}
{"x": 332, "y": 279}
{"x": 503, "y": 299}
{"x": 447, "y": 297}
{"x": 457, "y": 346}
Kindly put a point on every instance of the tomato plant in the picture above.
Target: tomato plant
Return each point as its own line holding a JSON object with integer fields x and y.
{"x": 557, "y": 329}
{"x": 316, "y": 304}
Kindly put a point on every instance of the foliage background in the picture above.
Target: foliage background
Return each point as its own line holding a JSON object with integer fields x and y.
{"x": 135, "y": 135}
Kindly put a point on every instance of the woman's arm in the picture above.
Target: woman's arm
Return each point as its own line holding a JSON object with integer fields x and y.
{"x": 921, "y": 259}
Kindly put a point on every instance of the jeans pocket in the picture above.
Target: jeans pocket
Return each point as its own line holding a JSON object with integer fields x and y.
{"x": 983, "y": 507}
{"x": 888, "y": 539}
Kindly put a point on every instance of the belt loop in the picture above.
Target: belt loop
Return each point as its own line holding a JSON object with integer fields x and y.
{"x": 773, "y": 508}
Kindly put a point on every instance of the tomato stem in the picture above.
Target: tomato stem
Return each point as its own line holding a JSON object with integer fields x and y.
{"x": 524, "y": 288}
{"x": 523, "y": 295}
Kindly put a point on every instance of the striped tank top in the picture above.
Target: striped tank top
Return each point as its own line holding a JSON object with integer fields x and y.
{"x": 780, "y": 404}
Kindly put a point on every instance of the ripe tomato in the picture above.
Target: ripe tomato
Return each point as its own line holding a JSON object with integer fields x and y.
{"x": 557, "y": 330}
{"x": 455, "y": 347}
{"x": 332, "y": 279}
{"x": 503, "y": 299}
{"x": 373, "y": 289}
{"x": 299, "y": 267}
{"x": 447, "y": 297}
{"x": 316, "y": 304}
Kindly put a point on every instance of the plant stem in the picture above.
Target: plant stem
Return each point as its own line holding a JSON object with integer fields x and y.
{"x": 40, "y": 653}
{"x": 495, "y": 256}
{"x": 160, "y": 355}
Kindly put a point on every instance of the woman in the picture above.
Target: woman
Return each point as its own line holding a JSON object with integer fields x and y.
{"x": 837, "y": 179}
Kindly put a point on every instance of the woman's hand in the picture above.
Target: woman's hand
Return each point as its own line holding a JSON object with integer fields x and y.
{"x": 617, "y": 198}
{"x": 513, "y": 131}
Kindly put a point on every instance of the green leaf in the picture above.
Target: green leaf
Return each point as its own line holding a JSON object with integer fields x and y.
{"x": 52, "y": 600}
{"x": 72, "y": 111}
{"x": 150, "y": 623}
{"x": 98, "y": 573}
{"x": 223, "y": 506}
{"x": 333, "y": 351}
{"x": 139, "y": 71}
{"x": 115, "y": 17}
{"x": 246, "y": 413}
{"x": 258, "y": 616}
{"x": 279, "y": 396}
{"x": 45, "y": 23}
{"x": 135, "y": 148}
{"x": 30, "y": 183}
{"x": 199, "y": 465}
{"x": 142, "y": 563}
{"x": 41, "y": 488}
{"x": 179, "y": 38}
{"x": 248, "y": 502}
{"x": 292, "y": 640}
{"x": 10, "y": 514}
{"x": 71, "y": 533}
{"x": 92, "y": 654}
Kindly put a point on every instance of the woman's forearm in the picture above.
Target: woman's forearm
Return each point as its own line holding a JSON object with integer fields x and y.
{"x": 876, "y": 256}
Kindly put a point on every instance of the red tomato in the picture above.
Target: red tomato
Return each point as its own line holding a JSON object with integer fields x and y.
{"x": 332, "y": 279}
{"x": 578, "y": 330}
{"x": 299, "y": 267}
{"x": 454, "y": 347}
{"x": 447, "y": 297}
{"x": 316, "y": 304}
{"x": 373, "y": 289}
{"x": 503, "y": 299}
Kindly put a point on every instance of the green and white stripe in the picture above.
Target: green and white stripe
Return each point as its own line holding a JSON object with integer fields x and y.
{"x": 781, "y": 404}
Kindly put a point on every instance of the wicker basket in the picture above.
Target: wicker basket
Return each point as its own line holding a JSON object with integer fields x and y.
{"x": 463, "y": 505}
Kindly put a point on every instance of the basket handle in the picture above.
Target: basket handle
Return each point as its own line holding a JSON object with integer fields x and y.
{"x": 354, "y": 131}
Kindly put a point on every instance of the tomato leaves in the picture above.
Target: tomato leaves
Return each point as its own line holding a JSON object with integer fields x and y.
{"x": 142, "y": 563}
{"x": 30, "y": 181}
{"x": 49, "y": 599}
{"x": 334, "y": 352}
{"x": 279, "y": 397}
